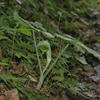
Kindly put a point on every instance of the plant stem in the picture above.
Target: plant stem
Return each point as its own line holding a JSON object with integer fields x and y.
{"x": 42, "y": 78}
{"x": 40, "y": 83}
{"x": 39, "y": 63}
{"x": 53, "y": 64}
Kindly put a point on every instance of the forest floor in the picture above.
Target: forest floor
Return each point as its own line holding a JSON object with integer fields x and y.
{"x": 88, "y": 74}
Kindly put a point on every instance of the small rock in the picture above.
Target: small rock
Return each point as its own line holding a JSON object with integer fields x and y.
{"x": 12, "y": 95}
{"x": 98, "y": 34}
{"x": 2, "y": 98}
{"x": 97, "y": 45}
{"x": 95, "y": 78}
{"x": 97, "y": 68}
{"x": 96, "y": 15}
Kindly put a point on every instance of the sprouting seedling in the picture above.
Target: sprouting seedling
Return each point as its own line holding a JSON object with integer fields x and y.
{"x": 69, "y": 39}
{"x": 48, "y": 68}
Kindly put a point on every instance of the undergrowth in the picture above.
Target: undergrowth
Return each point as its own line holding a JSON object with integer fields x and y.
{"x": 39, "y": 40}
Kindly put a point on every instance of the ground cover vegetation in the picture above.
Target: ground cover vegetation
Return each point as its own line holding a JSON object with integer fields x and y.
{"x": 41, "y": 41}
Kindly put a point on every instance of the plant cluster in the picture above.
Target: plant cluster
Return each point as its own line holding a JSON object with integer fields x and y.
{"x": 40, "y": 40}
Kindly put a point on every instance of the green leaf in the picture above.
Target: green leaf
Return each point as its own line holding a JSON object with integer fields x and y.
{"x": 32, "y": 26}
{"x": 32, "y": 78}
{"x": 96, "y": 54}
{"x": 44, "y": 46}
{"x": 3, "y": 37}
{"x": 19, "y": 1}
{"x": 19, "y": 54}
{"x": 48, "y": 35}
{"x": 81, "y": 60}
{"x": 2, "y": 4}
{"x": 78, "y": 43}
{"x": 24, "y": 30}
{"x": 20, "y": 21}
{"x": 59, "y": 76}
{"x": 4, "y": 62}
{"x": 40, "y": 28}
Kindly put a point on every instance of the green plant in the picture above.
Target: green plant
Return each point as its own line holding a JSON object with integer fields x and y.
{"x": 37, "y": 37}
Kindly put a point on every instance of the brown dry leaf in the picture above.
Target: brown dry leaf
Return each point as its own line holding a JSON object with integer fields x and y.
{"x": 96, "y": 14}
{"x": 12, "y": 95}
{"x": 76, "y": 70}
{"x": 90, "y": 94}
{"x": 64, "y": 96}
{"x": 95, "y": 78}
{"x": 90, "y": 32}
{"x": 2, "y": 88}
{"x": 88, "y": 68}
{"x": 2, "y": 98}
{"x": 80, "y": 25}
